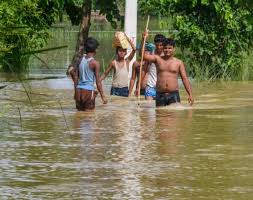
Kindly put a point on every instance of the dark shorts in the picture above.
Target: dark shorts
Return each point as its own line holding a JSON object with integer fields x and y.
{"x": 142, "y": 91}
{"x": 120, "y": 91}
{"x": 85, "y": 99}
{"x": 165, "y": 99}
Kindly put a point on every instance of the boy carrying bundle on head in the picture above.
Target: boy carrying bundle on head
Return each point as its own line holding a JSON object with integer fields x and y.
{"x": 120, "y": 67}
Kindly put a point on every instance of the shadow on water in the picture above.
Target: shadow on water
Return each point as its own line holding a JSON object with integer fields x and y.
{"x": 125, "y": 151}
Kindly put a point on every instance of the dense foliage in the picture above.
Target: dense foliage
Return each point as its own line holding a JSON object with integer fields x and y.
{"x": 214, "y": 35}
{"x": 24, "y": 25}
{"x": 109, "y": 8}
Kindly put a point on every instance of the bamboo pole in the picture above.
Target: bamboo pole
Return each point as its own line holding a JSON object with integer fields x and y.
{"x": 142, "y": 54}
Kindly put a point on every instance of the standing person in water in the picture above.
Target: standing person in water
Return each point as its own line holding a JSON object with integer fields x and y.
{"x": 85, "y": 78}
{"x": 121, "y": 68}
{"x": 150, "y": 89}
{"x": 168, "y": 68}
{"x": 149, "y": 48}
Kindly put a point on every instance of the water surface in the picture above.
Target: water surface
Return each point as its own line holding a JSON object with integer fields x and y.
{"x": 123, "y": 150}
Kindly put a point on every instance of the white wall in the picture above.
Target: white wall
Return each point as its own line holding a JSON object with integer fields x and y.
{"x": 131, "y": 24}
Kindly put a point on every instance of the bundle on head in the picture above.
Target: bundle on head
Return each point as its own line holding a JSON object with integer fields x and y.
{"x": 120, "y": 40}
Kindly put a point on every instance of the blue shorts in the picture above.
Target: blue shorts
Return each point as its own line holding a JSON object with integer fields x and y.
{"x": 150, "y": 92}
{"x": 120, "y": 91}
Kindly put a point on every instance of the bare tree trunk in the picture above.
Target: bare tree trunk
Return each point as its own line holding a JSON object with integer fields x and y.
{"x": 83, "y": 32}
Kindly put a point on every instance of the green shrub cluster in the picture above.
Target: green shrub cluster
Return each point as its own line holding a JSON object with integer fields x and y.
{"x": 215, "y": 36}
{"x": 23, "y": 27}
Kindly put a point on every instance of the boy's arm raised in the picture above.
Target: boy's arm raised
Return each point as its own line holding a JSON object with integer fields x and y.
{"x": 131, "y": 55}
{"x": 147, "y": 57}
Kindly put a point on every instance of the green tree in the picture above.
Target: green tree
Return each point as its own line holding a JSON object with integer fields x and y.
{"x": 80, "y": 13}
{"x": 214, "y": 35}
{"x": 24, "y": 27}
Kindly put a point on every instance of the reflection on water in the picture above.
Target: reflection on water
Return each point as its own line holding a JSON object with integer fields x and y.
{"x": 124, "y": 150}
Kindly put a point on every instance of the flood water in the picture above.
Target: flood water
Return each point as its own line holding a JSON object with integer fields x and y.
{"x": 125, "y": 149}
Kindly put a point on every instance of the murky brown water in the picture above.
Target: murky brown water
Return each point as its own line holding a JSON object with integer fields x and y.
{"x": 126, "y": 151}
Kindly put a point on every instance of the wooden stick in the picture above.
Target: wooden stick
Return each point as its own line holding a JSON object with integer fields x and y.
{"x": 142, "y": 54}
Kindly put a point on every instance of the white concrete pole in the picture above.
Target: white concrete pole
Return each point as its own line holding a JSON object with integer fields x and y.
{"x": 131, "y": 22}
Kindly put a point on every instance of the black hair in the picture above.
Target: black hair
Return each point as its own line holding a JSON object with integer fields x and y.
{"x": 117, "y": 49}
{"x": 159, "y": 38}
{"x": 91, "y": 45}
{"x": 169, "y": 41}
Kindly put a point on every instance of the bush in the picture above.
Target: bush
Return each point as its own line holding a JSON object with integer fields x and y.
{"x": 214, "y": 35}
{"x": 23, "y": 27}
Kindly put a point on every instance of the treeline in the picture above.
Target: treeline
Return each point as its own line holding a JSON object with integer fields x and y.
{"x": 214, "y": 36}
{"x": 24, "y": 25}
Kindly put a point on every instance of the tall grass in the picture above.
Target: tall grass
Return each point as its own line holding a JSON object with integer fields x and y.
{"x": 205, "y": 71}
{"x": 246, "y": 69}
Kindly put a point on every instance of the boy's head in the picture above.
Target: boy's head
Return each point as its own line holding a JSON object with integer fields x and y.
{"x": 91, "y": 45}
{"x": 121, "y": 53}
{"x": 169, "y": 46}
{"x": 149, "y": 47}
{"x": 158, "y": 40}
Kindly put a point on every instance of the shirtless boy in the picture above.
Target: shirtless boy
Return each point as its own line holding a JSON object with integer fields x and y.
{"x": 135, "y": 76}
{"x": 168, "y": 69}
{"x": 149, "y": 48}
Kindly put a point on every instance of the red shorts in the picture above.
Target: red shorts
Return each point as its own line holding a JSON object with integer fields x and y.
{"x": 85, "y": 99}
